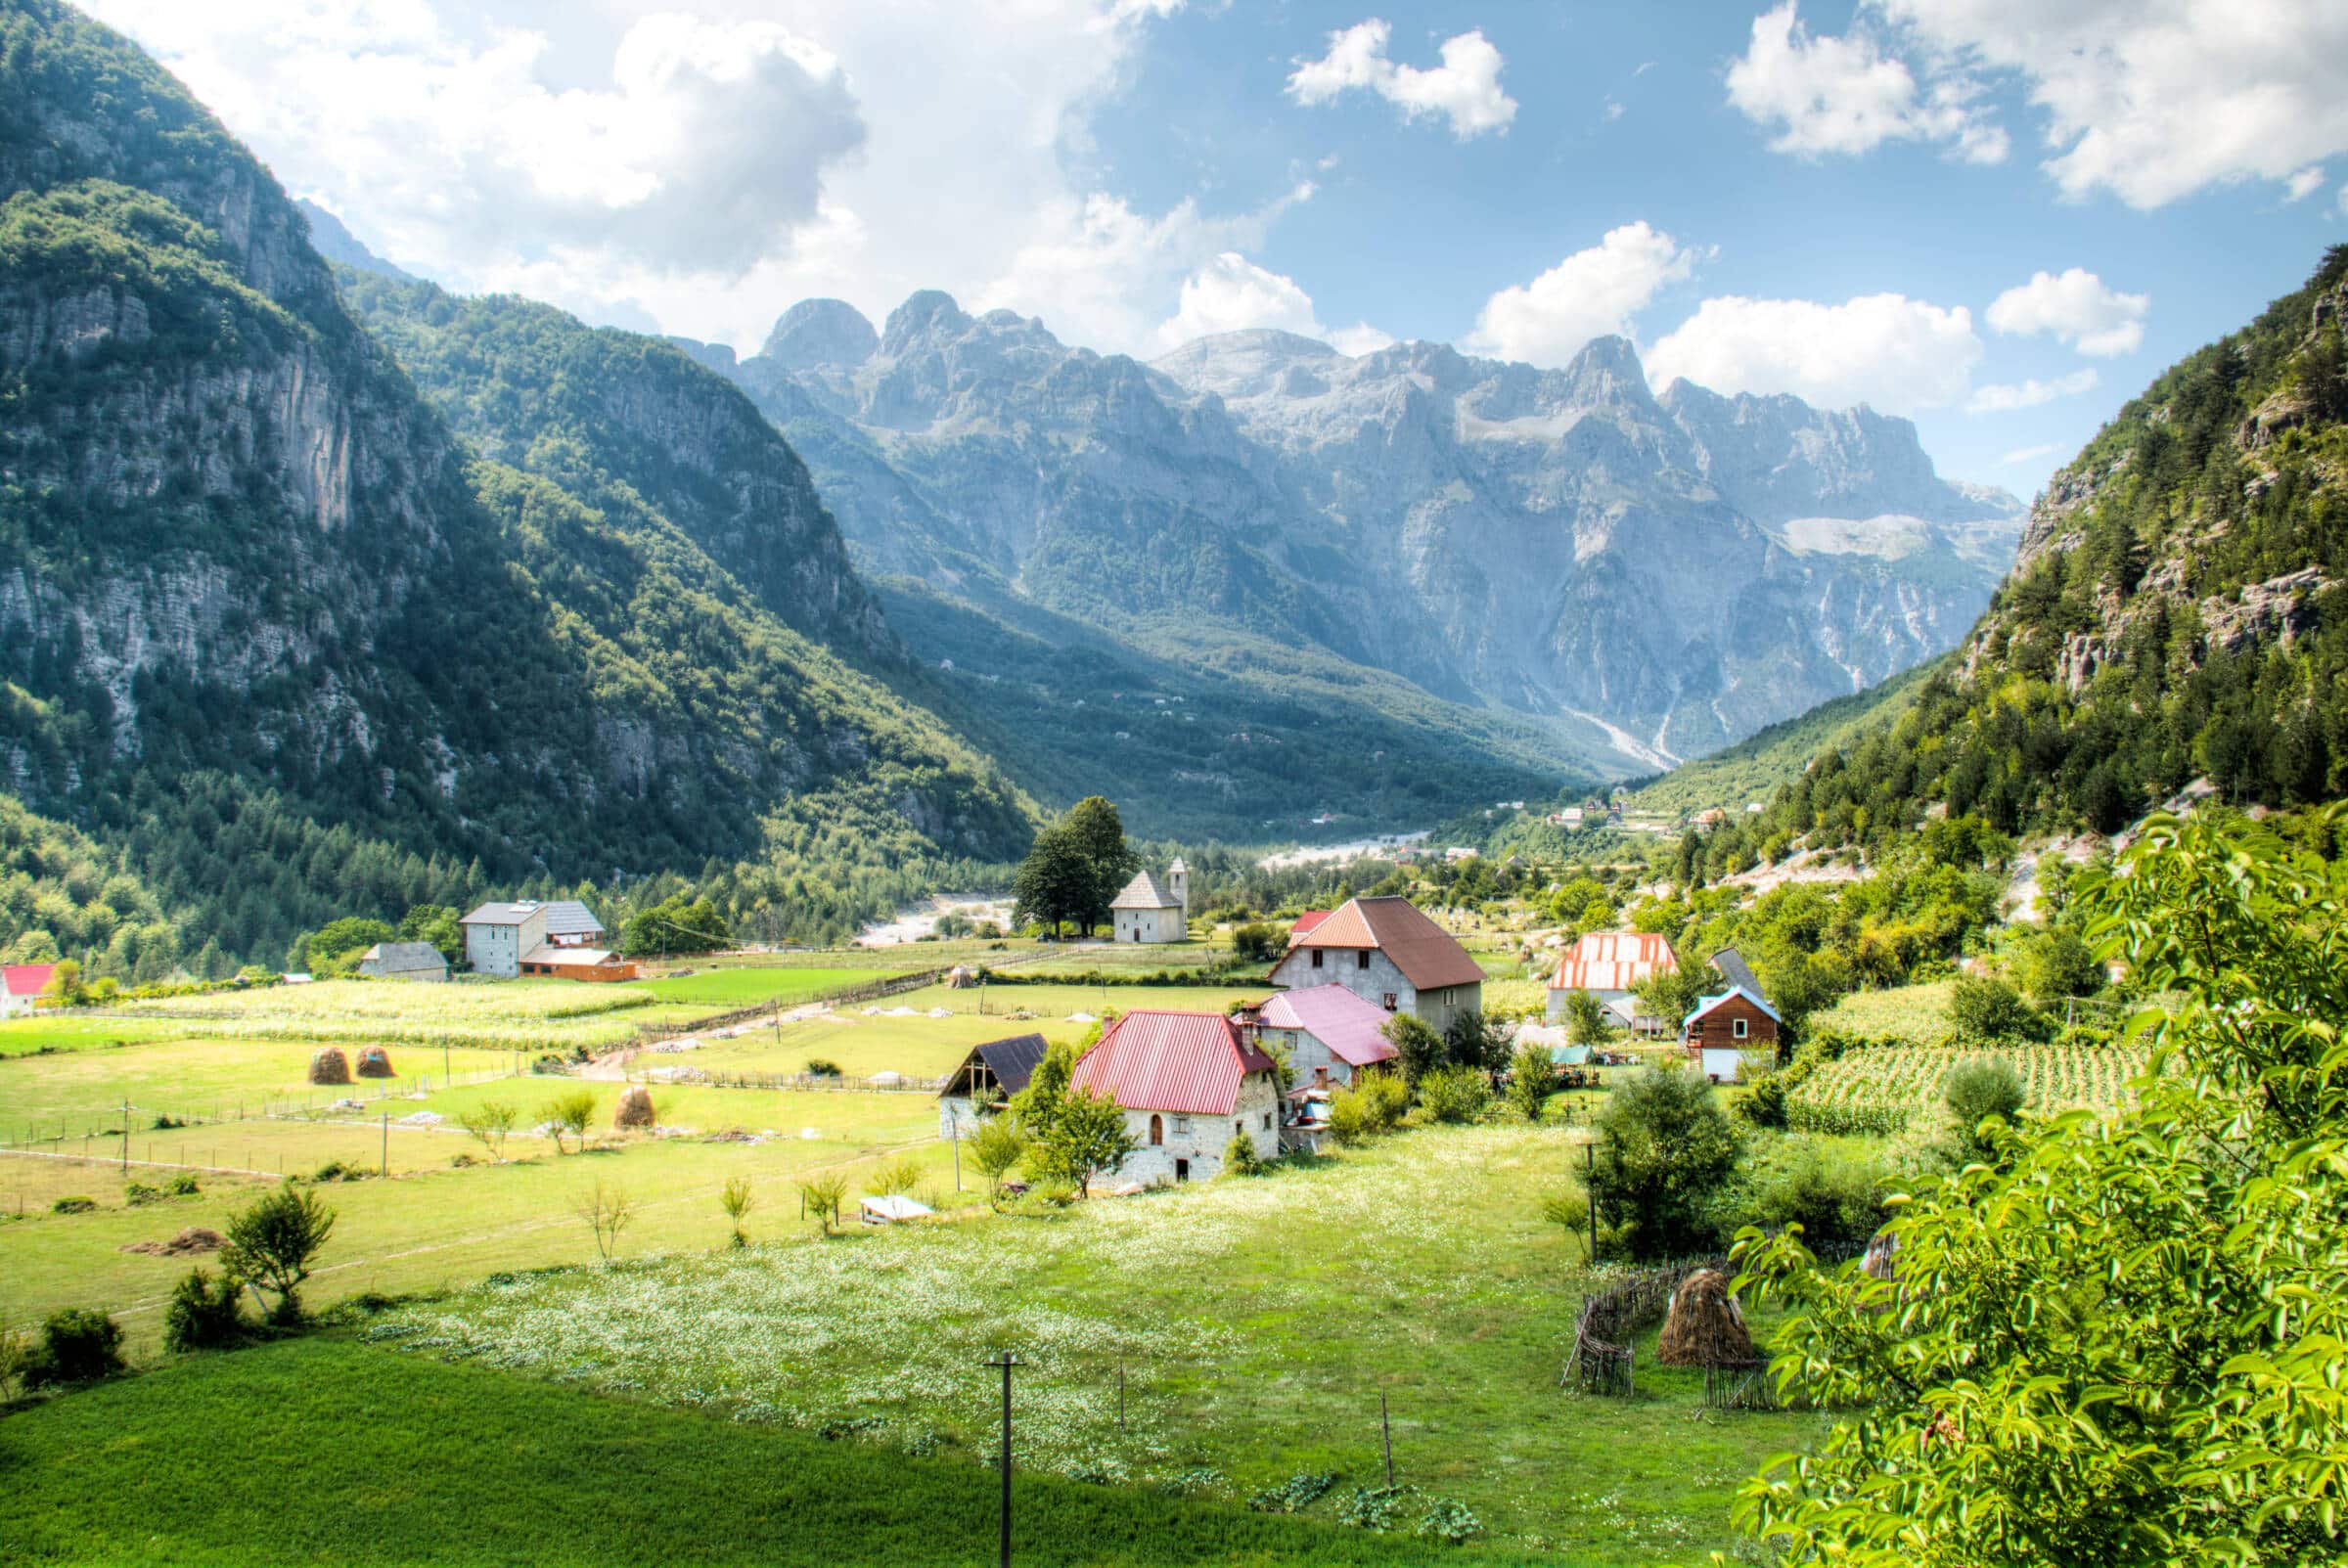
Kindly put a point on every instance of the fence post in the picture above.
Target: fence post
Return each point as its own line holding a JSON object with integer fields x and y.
{"x": 1386, "y": 1427}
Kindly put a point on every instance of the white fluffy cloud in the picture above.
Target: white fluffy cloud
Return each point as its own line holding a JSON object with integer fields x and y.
{"x": 1894, "y": 353}
{"x": 2304, "y": 183}
{"x": 2003, "y": 397}
{"x": 1591, "y": 293}
{"x": 1232, "y": 293}
{"x": 1848, "y": 95}
{"x": 2027, "y": 454}
{"x": 1464, "y": 90}
{"x": 641, "y": 161}
{"x": 2149, "y": 100}
{"x": 2077, "y": 308}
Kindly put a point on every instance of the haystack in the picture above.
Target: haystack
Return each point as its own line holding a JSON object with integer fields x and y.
{"x": 329, "y": 1066}
{"x": 960, "y": 977}
{"x": 375, "y": 1063}
{"x": 195, "y": 1241}
{"x": 1707, "y": 1327}
{"x": 635, "y": 1107}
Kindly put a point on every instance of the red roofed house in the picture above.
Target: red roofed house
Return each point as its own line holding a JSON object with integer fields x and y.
{"x": 1188, "y": 1081}
{"x": 1304, "y": 925}
{"x": 1609, "y": 964}
{"x": 1385, "y": 952}
{"x": 20, "y": 985}
{"x": 1327, "y": 1033}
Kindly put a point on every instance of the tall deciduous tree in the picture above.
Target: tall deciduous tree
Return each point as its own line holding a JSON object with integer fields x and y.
{"x": 1098, "y": 833}
{"x": 2125, "y": 1344}
{"x": 1665, "y": 1153}
{"x": 1053, "y": 884}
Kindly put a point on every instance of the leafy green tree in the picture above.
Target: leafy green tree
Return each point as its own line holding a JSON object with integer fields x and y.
{"x": 1053, "y": 884}
{"x": 2056, "y": 963}
{"x": 1087, "y": 1138}
{"x": 1475, "y": 1040}
{"x": 996, "y": 1147}
{"x": 66, "y": 983}
{"x": 1455, "y": 1094}
{"x": 822, "y": 1195}
{"x": 490, "y": 1122}
{"x": 334, "y": 947}
{"x": 1098, "y": 833}
{"x": 1584, "y": 1018}
{"x": 1665, "y": 1153}
{"x": 2125, "y": 1345}
{"x": 273, "y": 1242}
{"x": 437, "y": 923}
{"x": 205, "y": 1312}
{"x": 1983, "y": 1009}
{"x": 1419, "y": 1050}
{"x": 1532, "y": 1076}
{"x": 676, "y": 924}
{"x": 736, "y": 1198}
{"x": 569, "y": 1114}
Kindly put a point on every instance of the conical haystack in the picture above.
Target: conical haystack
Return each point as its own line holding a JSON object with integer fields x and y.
{"x": 329, "y": 1066}
{"x": 1707, "y": 1327}
{"x": 635, "y": 1107}
{"x": 375, "y": 1063}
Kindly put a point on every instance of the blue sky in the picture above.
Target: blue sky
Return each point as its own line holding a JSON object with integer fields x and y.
{"x": 2000, "y": 217}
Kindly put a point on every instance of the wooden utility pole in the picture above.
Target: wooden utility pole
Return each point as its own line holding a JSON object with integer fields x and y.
{"x": 1590, "y": 1189}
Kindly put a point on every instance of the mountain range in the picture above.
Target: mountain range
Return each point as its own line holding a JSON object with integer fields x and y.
{"x": 1559, "y": 544}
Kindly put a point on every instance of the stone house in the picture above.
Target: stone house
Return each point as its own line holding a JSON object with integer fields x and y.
{"x": 498, "y": 937}
{"x": 1151, "y": 910}
{"x": 1189, "y": 1082}
{"x": 1724, "y": 1028}
{"x": 1388, "y": 952}
{"x": 404, "y": 961}
{"x": 1610, "y": 966}
{"x": 986, "y": 1080}
{"x": 1326, "y": 1033}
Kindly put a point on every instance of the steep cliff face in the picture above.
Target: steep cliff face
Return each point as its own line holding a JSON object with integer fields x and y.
{"x": 1675, "y": 572}
{"x": 236, "y": 545}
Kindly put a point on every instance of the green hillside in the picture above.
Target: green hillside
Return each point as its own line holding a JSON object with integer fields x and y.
{"x": 1760, "y": 765}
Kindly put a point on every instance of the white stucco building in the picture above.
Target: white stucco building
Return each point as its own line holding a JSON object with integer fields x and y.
{"x": 1189, "y": 1083}
{"x": 1151, "y": 910}
{"x": 1388, "y": 953}
{"x": 1326, "y": 1033}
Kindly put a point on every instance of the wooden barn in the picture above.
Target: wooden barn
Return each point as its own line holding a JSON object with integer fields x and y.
{"x": 1724, "y": 1028}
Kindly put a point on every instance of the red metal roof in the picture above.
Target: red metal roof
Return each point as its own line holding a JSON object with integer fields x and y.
{"x": 26, "y": 979}
{"x": 1612, "y": 961}
{"x": 1188, "y": 1062}
{"x": 1424, "y": 952}
{"x": 1305, "y": 924}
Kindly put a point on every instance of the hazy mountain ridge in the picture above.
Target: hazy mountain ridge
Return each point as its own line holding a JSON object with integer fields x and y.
{"x": 1558, "y": 542}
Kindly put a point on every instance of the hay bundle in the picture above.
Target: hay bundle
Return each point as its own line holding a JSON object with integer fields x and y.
{"x": 375, "y": 1063}
{"x": 329, "y": 1066}
{"x": 635, "y": 1107}
{"x": 960, "y": 977}
{"x": 1707, "y": 1327}
{"x": 194, "y": 1241}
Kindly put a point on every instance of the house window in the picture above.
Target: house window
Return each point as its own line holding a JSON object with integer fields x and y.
{"x": 1316, "y": 958}
{"x": 1320, "y": 1075}
{"x": 1390, "y": 1002}
{"x": 1239, "y": 1128}
{"x": 1157, "y": 1130}
{"x": 1267, "y": 1121}
{"x": 1361, "y": 959}
{"x": 1736, "y": 1028}
{"x": 1181, "y": 1126}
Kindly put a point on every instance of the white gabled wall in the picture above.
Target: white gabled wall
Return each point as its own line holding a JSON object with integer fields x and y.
{"x": 1200, "y": 1138}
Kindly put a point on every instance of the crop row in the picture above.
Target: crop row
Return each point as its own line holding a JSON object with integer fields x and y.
{"x": 1880, "y": 1089}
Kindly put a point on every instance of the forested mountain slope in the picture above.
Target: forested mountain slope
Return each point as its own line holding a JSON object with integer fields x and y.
{"x": 2176, "y": 612}
{"x": 271, "y": 629}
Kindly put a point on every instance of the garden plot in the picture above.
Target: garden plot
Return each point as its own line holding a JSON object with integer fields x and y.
{"x": 1256, "y": 1321}
{"x": 1907, "y": 1014}
{"x": 1882, "y": 1089}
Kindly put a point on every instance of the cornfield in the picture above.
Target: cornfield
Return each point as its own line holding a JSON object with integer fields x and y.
{"x": 1880, "y": 1089}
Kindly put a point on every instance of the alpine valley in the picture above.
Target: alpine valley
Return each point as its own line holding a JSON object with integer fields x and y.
{"x": 312, "y": 564}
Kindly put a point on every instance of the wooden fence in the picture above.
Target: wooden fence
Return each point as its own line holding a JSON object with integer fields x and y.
{"x": 1602, "y": 1361}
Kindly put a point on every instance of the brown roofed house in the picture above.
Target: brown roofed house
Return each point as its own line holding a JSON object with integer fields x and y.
{"x": 1384, "y": 951}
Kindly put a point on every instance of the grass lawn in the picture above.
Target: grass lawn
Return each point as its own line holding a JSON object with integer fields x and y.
{"x": 745, "y": 986}
{"x": 860, "y": 1045}
{"x": 346, "y": 1454}
{"x": 1050, "y": 1001}
{"x": 65, "y": 1031}
{"x": 1256, "y": 1323}
{"x": 530, "y": 1015}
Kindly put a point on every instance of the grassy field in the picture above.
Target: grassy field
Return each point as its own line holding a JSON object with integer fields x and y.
{"x": 1047, "y": 1002}
{"x": 433, "y": 1225}
{"x": 748, "y": 986}
{"x": 860, "y": 1045}
{"x": 345, "y": 1454}
{"x": 1917, "y": 1015}
{"x": 490, "y": 1015}
{"x": 65, "y": 1031}
{"x": 1256, "y": 1321}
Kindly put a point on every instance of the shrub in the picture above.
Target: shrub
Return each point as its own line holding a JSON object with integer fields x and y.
{"x": 75, "y": 1205}
{"x": 1531, "y": 1078}
{"x": 1375, "y": 1103}
{"x": 1665, "y": 1152}
{"x": 1297, "y": 1493}
{"x": 1991, "y": 1009}
{"x": 490, "y": 1122}
{"x": 735, "y": 1198}
{"x": 822, "y": 1196}
{"x": 1836, "y": 1199}
{"x": 205, "y": 1313}
{"x": 182, "y": 1186}
{"x": 1239, "y": 1157}
{"x": 996, "y": 1147}
{"x": 1450, "y": 1521}
{"x": 569, "y": 1114}
{"x": 77, "y": 1345}
{"x": 1979, "y": 1090}
{"x": 1455, "y": 1094}
{"x": 897, "y": 1176}
{"x": 822, "y": 1068}
{"x": 138, "y": 1195}
{"x": 1258, "y": 942}
{"x": 1372, "y": 1507}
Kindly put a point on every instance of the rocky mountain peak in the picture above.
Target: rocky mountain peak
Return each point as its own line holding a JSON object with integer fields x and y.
{"x": 928, "y": 313}
{"x": 822, "y": 335}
